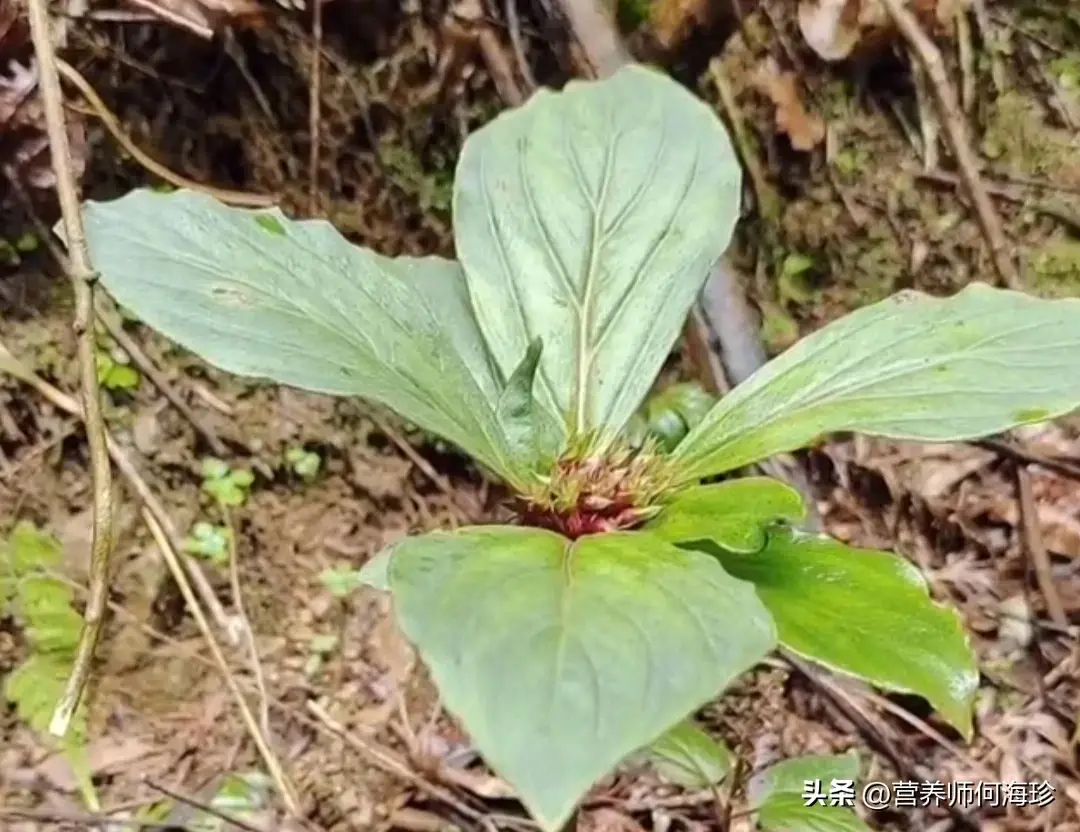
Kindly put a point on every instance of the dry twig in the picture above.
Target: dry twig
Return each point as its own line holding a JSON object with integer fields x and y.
{"x": 239, "y": 823}
{"x": 956, "y": 131}
{"x": 389, "y": 762}
{"x": 513, "y": 25}
{"x": 1036, "y": 550}
{"x": 245, "y": 623}
{"x": 314, "y": 105}
{"x": 1065, "y": 469}
{"x": 147, "y": 367}
{"x": 101, "y": 110}
{"x": 82, "y": 277}
{"x": 270, "y": 760}
{"x": 81, "y": 820}
{"x": 9, "y": 364}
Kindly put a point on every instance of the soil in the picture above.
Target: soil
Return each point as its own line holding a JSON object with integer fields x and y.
{"x": 851, "y": 221}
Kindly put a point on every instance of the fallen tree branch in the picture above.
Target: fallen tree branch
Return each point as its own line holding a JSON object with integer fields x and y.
{"x": 82, "y": 278}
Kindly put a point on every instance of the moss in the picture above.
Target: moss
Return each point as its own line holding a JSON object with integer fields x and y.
{"x": 1019, "y": 136}
{"x": 433, "y": 190}
{"x": 1054, "y": 269}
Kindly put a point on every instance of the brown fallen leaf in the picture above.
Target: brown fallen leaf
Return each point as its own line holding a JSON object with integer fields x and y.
{"x": 806, "y": 130}
{"x": 673, "y": 21}
{"x": 841, "y": 29}
{"x": 25, "y": 163}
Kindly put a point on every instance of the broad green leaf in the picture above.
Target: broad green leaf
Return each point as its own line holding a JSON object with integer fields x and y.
{"x": 592, "y": 224}
{"x": 688, "y": 757}
{"x": 865, "y": 613}
{"x": 561, "y": 658}
{"x": 778, "y": 795}
{"x": 910, "y": 367}
{"x": 670, "y": 415}
{"x": 733, "y": 514}
{"x": 790, "y": 776}
{"x": 257, "y": 294}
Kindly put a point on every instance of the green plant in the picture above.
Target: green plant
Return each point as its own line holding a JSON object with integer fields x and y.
{"x": 43, "y": 606}
{"x": 305, "y": 464}
{"x": 228, "y": 486}
{"x": 113, "y": 374}
{"x": 208, "y": 541}
{"x": 628, "y": 593}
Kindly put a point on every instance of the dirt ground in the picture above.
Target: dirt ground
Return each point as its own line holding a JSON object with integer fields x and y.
{"x": 347, "y": 708}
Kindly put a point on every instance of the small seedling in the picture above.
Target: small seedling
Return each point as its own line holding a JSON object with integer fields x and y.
{"x": 631, "y": 587}
{"x": 228, "y": 486}
{"x": 320, "y": 647}
{"x": 341, "y": 581}
{"x": 305, "y": 464}
{"x": 113, "y": 374}
{"x": 208, "y": 541}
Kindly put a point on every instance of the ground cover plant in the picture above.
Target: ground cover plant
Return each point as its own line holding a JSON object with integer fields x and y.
{"x": 633, "y": 586}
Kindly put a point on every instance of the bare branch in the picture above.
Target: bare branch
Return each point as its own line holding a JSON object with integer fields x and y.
{"x": 82, "y": 278}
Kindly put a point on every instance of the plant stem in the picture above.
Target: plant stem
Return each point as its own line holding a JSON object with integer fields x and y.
{"x": 82, "y": 278}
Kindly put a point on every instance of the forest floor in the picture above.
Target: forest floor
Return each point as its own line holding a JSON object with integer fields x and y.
{"x": 857, "y": 216}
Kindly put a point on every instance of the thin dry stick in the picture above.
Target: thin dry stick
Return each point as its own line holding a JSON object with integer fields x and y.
{"x": 1065, "y": 469}
{"x": 513, "y": 25}
{"x": 249, "y": 634}
{"x": 62, "y": 400}
{"x": 83, "y": 821}
{"x": 1033, "y": 542}
{"x": 956, "y": 130}
{"x": 314, "y": 106}
{"x": 147, "y": 367}
{"x": 270, "y": 760}
{"x": 464, "y": 514}
{"x": 389, "y": 763}
{"x": 111, "y": 123}
{"x": 82, "y": 278}
{"x": 239, "y": 823}
{"x": 926, "y": 730}
{"x": 763, "y": 192}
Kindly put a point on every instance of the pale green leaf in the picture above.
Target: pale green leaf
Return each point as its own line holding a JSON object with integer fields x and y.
{"x": 865, "y": 613}
{"x": 790, "y": 776}
{"x": 688, "y": 757}
{"x": 589, "y": 218}
{"x": 341, "y": 582}
{"x": 376, "y": 572}
{"x": 778, "y": 795}
{"x": 562, "y": 658}
{"x": 259, "y": 295}
{"x": 733, "y": 514}
{"x": 910, "y": 367}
